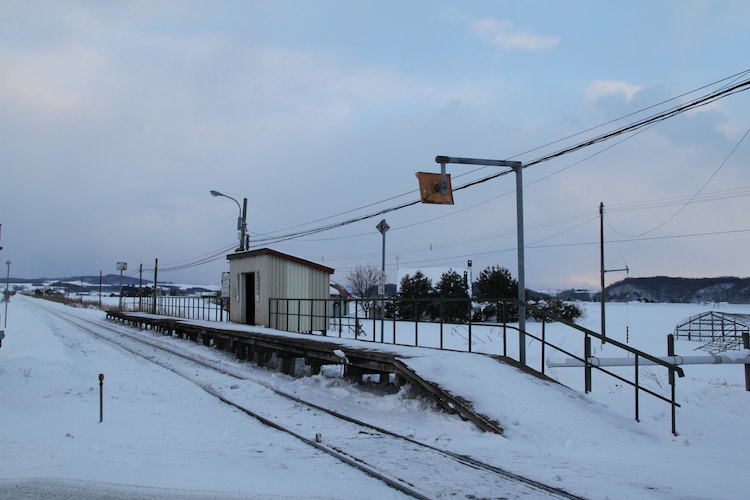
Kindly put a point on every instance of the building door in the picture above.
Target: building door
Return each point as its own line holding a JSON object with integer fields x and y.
{"x": 250, "y": 298}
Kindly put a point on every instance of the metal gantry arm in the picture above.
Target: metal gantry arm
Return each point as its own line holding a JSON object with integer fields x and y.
{"x": 517, "y": 167}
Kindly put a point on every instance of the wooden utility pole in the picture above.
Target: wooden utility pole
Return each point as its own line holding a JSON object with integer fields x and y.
{"x": 601, "y": 267}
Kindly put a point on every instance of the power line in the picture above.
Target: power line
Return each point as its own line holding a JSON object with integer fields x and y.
{"x": 725, "y": 91}
{"x": 689, "y": 201}
{"x": 731, "y": 78}
{"x": 664, "y": 115}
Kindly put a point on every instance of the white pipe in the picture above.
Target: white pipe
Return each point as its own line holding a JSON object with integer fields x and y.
{"x": 735, "y": 358}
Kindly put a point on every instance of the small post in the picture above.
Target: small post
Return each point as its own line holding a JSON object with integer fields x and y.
{"x": 746, "y": 345}
{"x": 544, "y": 342}
{"x": 587, "y": 366}
{"x": 101, "y": 397}
{"x": 154, "y": 291}
{"x": 637, "y": 388}
{"x": 670, "y": 352}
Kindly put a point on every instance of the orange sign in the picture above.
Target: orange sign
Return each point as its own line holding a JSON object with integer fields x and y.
{"x": 429, "y": 188}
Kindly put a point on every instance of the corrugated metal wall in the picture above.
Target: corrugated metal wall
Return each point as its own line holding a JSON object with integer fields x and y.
{"x": 283, "y": 279}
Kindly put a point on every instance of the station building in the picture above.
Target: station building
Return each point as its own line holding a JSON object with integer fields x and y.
{"x": 265, "y": 282}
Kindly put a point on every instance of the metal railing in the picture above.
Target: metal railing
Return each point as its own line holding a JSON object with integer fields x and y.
{"x": 462, "y": 325}
{"x": 202, "y": 308}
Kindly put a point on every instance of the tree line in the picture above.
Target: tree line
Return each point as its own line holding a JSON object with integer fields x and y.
{"x": 493, "y": 297}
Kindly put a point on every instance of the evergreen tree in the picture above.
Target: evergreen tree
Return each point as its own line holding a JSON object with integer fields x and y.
{"x": 417, "y": 286}
{"x": 557, "y": 308}
{"x": 495, "y": 285}
{"x": 450, "y": 288}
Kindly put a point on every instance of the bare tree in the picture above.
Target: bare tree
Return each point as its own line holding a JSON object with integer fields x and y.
{"x": 363, "y": 281}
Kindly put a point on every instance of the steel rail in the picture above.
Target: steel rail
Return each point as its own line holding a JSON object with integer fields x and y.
{"x": 337, "y": 453}
{"x": 359, "y": 465}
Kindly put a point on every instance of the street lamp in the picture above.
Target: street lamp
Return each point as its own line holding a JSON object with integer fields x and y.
{"x": 241, "y": 220}
{"x": 517, "y": 167}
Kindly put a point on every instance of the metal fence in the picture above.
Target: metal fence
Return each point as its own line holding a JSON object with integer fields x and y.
{"x": 202, "y": 308}
{"x": 461, "y": 325}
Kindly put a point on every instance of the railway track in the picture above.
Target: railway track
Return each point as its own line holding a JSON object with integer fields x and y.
{"x": 417, "y": 469}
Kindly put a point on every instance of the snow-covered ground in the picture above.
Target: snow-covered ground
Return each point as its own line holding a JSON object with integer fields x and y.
{"x": 163, "y": 437}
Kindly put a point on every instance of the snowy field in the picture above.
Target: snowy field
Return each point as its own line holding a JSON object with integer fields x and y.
{"x": 163, "y": 437}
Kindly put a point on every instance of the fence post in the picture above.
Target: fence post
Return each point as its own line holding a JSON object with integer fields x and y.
{"x": 746, "y": 345}
{"x": 356, "y": 318}
{"x": 587, "y": 366}
{"x": 311, "y": 315}
{"x": 342, "y": 305}
{"x": 325, "y": 317}
{"x": 394, "y": 322}
{"x": 670, "y": 352}
{"x": 674, "y": 406}
{"x": 416, "y": 321}
{"x": 441, "y": 323}
{"x": 299, "y": 315}
{"x": 637, "y": 389}
{"x": 469, "y": 325}
{"x": 544, "y": 343}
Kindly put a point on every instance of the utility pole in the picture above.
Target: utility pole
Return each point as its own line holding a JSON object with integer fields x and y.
{"x": 244, "y": 237}
{"x": 602, "y": 270}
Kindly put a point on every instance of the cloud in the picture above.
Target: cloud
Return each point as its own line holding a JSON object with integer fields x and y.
{"x": 503, "y": 35}
{"x": 603, "y": 88}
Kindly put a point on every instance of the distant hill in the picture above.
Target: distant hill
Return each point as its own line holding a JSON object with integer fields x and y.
{"x": 676, "y": 290}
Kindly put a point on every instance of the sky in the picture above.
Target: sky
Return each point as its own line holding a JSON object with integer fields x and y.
{"x": 117, "y": 118}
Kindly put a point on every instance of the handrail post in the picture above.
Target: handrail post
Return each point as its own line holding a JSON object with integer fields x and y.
{"x": 342, "y": 305}
{"x": 505, "y": 330}
{"x": 441, "y": 324}
{"x": 674, "y": 406}
{"x": 469, "y": 325}
{"x": 311, "y": 315}
{"x": 416, "y": 320}
{"x": 587, "y": 366}
{"x": 637, "y": 389}
{"x": 356, "y": 318}
{"x": 544, "y": 343}
{"x": 394, "y": 321}
{"x": 670, "y": 352}
{"x": 325, "y": 317}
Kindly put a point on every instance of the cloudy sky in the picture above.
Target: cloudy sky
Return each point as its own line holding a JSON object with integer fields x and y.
{"x": 117, "y": 118}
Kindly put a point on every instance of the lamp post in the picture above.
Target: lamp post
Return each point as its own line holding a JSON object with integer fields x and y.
{"x": 7, "y": 297}
{"x": 241, "y": 220}
{"x": 517, "y": 167}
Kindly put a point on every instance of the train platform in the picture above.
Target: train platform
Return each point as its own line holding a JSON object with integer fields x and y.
{"x": 477, "y": 387}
